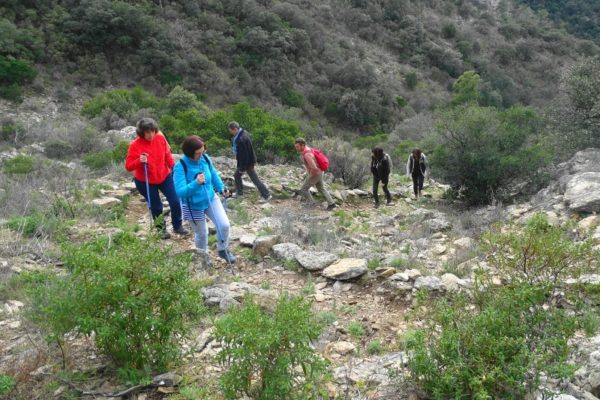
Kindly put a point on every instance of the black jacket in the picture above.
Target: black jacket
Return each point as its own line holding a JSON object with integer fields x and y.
{"x": 381, "y": 168}
{"x": 245, "y": 155}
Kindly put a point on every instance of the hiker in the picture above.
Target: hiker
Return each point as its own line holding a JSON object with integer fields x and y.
{"x": 415, "y": 168}
{"x": 243, "y": 150}
{"x": 381, "y": 167}
{"x": 149, "y": 157}
{"x": 196, "y": 181}
{"x": 314, "y": 177}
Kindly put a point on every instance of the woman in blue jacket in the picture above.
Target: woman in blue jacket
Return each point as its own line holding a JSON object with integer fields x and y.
{"x": 196, "y": 181}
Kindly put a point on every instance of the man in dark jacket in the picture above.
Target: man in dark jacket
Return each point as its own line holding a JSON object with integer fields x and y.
{"x": 246, "y": 159}
{"x": 381, "y": 167}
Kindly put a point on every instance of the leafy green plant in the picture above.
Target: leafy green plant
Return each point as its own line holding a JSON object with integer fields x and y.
{"x": 270, "y": 356}
{"x": 497, "y": 341}
{"x": 58, "y": 148}
{"x": 356, "y": 329}
{"x": 373, "y": 263}
{"x": 21, "y": 164}
{"x": 375, "y": 347}
{"x": 7, "y": 382}
{"x": 327, "y": 317}
{"x": 133, "y": 296}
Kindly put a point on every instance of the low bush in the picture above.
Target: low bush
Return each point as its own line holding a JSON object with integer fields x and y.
{"x": 6, "y": 384}
{"x": 132, "y": 296}
{"x": 498, "y": 341}
{"x": 270, "y": 357}
{"x": 58, "y": 148}
{"x": 346, "y": 162}
{"x": 21, "y": 164}
{"x": 98, "y": 160}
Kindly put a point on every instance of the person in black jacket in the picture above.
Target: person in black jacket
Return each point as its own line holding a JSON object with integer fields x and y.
{"x": 381, "y": 167}
{"x": 246, "y": 159}
{"x": 416, "y": 167}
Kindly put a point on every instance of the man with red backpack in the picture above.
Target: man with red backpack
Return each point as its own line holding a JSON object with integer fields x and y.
{"x": 315, "y": 163}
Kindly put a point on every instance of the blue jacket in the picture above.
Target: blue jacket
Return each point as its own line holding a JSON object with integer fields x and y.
{"x": 196, "y": 196}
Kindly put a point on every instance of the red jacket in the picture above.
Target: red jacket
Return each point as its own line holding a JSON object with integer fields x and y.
{"x": 160, "y": 160}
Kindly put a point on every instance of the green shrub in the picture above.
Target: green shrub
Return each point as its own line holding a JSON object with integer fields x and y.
{"x": 370, "y": 141}
{"x": 21, "y": 164}
{"x": 375, "y": 347}
{"x": 356, "y": 329}
{"x": 6, "y": 384}
{"x": 515, "y": 333}
{"x": 270, "y": 356}
{"x": 58, "y": 148}
{"x": 10, "y": 131}
{"x": 292, "y": 98}
{"x": 98, "y": 160}
{"x": 410, "y": 80}
{"x": 135, "y": 297}
{"x": 13, "y": 74}
{"x": 478, "y": 150}
{"x": 120, "y": 151}
{"x": 121, "y": 102}
{"x": 12, "y": 92}
{"x": 346, "y": 162}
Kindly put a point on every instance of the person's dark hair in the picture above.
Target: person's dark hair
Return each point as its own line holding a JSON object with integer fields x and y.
{"x": 191, "y": 144}
{"x": 300, "y": 141}
{"x": 145, "y": 125}
{"x": 232, "y": 125}
{"x": 416, "y": 153}
{"x": 378, "y": 153}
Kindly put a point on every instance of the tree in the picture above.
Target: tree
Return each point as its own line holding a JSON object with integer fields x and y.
{"x": 466, "y": 88}
{"x": 480, "y": 149}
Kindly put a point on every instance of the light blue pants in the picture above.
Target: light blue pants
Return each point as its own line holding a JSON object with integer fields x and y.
{"x": 216, "y": 213}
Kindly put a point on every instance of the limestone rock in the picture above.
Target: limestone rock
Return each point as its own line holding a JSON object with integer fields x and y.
{"x": 315, "y": 261}
{"x": 263, "y": 245}
{"x": 430, "y": 283}
{"x": 286, "y": 251}
{"x": 106, "y": 202}
{"x": 342, "y": 348}
{"x": 346, "y": 268}
{"x": 583, "y": 192}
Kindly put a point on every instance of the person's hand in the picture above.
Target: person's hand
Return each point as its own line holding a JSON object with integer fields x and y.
{"x": 144, "y": 158}
{"x": 200, "y": 179}
{"x": 226, "y": 193}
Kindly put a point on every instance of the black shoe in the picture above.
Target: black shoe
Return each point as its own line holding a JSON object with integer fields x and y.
{"x": 331, "y": 206}
{"x": 375, "y": 205}
{"x": 181, "y": 231}
{"x": 227, "y": 256}
{"x": 164, "y": 235}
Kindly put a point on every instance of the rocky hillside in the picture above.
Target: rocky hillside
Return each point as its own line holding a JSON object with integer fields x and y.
{"x": 363, "y": 268}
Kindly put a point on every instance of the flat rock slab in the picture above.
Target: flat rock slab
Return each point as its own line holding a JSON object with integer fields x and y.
{"x": 315, "y": 260}
{"x": 346, "y": 268}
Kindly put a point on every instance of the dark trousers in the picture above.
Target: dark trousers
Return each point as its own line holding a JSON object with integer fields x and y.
{"x": 418, "y": 179}
{"x": 167, "y": 187}
{"x": 388, "y": 196}
{"x": 239, "y": 186}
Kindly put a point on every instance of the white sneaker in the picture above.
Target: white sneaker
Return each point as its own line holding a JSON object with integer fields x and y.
{"x": 263, "y": 200}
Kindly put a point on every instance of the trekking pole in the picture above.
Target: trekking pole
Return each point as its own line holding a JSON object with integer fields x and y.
{"x": 219, "y": 236}
{"x": 149, "y": 201}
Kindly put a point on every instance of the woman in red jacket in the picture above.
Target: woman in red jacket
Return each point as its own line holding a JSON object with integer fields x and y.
{"x": 152, "y": 150}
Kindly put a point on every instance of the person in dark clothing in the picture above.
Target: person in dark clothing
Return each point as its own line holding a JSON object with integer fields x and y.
{"x": 246, "y": 159}
{"x": 415, "y": 168}
{"x": 381, "y": 167}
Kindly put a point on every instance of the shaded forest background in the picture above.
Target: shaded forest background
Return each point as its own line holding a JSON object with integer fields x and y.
{"x": 369, "y": 72}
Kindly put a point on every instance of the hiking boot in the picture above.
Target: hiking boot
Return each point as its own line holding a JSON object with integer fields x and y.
{"x": 266, "y": 200}
{"x": 237, "y": 196}
{"x": 331, "y": 206}
{"x": 375, "y": 205}
{"x": 164, "y": 235}
{"x": 227, "y": 256}
{"x": 181, "y": 231}
{"x": 390, "y": 203}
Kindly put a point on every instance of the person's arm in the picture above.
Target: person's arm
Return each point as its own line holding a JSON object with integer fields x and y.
{"x": 169, "y": 161}
{"x": 216, "y": 181}
{"x": 408, "y": 166}
{"x": 132, "y": 160}
{"x": 373, "y": 169}
{"x": 386, "y": 166}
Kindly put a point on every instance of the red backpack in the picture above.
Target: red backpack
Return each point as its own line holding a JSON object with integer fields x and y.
{"x": 322, "y": 160}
